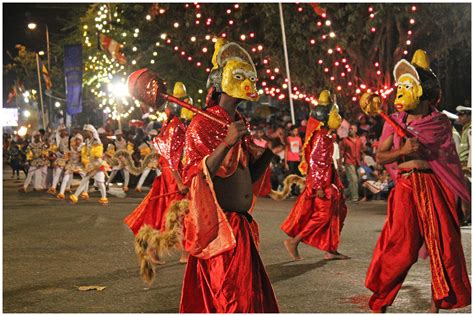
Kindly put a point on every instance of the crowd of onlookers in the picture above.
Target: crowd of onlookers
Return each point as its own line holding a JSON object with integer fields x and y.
{"x": 354, "y": 155}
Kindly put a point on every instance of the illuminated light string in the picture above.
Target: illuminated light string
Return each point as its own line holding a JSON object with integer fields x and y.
{"x": 107, "y": 71}
{"x": 385, "y": 91}
{"x": 243, "y": 37}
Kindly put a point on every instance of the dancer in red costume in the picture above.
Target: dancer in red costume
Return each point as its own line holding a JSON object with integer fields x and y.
{"x": 422, "y": 206}
{"x": 318, "y": 215}
{"x": 224, "y": 273}
{"x": 167, "y": 187}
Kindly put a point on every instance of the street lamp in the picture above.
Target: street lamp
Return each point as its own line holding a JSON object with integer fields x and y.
{"x": 32, "y": 26}
{"x": 57, "y": 104}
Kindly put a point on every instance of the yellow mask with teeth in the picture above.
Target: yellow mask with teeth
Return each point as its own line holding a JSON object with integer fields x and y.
{"x": 234, "y": 72}
{"x": 409, "y": 89}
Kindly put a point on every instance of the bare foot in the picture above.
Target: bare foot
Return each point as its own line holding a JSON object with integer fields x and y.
{"x": 184, "y": 257}
{"x": 335, "y": 256}
{"x": 292, "y": 249}
{"x": 380, "y": 311}
{"x": 433, "y": 308}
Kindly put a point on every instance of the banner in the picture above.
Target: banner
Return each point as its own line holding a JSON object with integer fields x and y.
{"x": 73, "y": 76}
{"x": 111, "y": 46}
{"x": 47, "y": 78}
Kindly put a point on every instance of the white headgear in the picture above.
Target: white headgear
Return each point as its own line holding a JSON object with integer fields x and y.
{"x": 91, "y": 128}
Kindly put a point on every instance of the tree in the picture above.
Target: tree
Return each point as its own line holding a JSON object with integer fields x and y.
{"x": 333, "y": 45}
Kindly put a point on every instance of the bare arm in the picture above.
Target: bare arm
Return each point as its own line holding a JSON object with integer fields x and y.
{"x": 177, "y": 177}
{"x": 385, "y": 155}
{"x": 259, "y": 166}
{"x": 234, "y": 134}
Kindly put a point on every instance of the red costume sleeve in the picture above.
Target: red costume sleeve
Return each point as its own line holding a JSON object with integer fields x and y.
{"x": 170, "y": 142}
{"x": 320, "y": 160}
{"x": 207, "y": 231}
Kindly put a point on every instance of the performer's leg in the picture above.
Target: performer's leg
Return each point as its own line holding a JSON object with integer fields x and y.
{"x": 126, "y": 178}
{"x": 81, "y": 188}
{"x": 353, "y": 185}
{"x": 29, "y": 177}
{"x": 100, "y": 180}
{"x": 56, "y": 175}
{"x": 397, "y": 247}
{"x": 69, "y": 183}
{"x": 64, "y": 183}
{"x": 142, "y": 179}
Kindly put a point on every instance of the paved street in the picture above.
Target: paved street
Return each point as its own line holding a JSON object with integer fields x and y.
{"x": 51, "y": 247}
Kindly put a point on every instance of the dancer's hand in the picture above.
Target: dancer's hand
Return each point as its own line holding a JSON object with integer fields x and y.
{"x": 235, "y": 132}
{"x": 411, "y": 145}
{"x": 182, "y": 189}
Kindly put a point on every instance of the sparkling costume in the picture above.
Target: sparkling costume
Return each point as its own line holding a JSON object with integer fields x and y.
{"x": 73, "y": 165}
{"x": 118, "y": 163}
{"x": 152, "y": 210}
{"x": 60, "y": 146}
{"x": 224, "y": 273}
{"x": 94, "y": 167}
{"x": 318, "y": 221}
{"x": 36, "y": 154}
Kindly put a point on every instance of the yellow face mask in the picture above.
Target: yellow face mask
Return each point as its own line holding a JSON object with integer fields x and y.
{"x": 233, "y": 71}
{"x": 408, "y": 94}
{"x": 335, "y": 119}
{"x": 239, "y": 80}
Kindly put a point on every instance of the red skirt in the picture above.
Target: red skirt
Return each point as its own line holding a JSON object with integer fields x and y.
{"x": 421, "y": 209}
{"x": 317, "y": 221}
{"x": 152, "y": 211}
{"x": 232, "y": 282}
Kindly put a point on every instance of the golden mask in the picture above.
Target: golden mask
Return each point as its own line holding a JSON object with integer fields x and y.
{"x": 327, "y": 111}
{"x": 409, "y": 89}
{"x": 234, "y": 72}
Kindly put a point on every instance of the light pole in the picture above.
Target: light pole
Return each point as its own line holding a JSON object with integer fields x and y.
{"x": 32, "y": 26}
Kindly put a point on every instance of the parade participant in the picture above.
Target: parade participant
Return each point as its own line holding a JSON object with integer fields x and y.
{"x": 36, "y": 156}
{"x": 422, "y": 206}
{"x": 120, "y": 144}
{"x": 16, "y": 157}
{"x": 73, "y": 165}
{"x": 168, "y": 187}
{"x": 220, "y": 234}
{"x": 59, "y": 147}
{"x": 148, "y": 160}
{"x": 94, "y": 166}
{"x": 319, "y": 212}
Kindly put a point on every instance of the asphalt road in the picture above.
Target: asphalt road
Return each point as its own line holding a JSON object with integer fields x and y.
{"x": 50, "y": 248}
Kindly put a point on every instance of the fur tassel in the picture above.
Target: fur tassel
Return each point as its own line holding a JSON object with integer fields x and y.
{"x": 149, "y": 240}
{"x": 289, "y": 180}
{"x": 124, "y": 157}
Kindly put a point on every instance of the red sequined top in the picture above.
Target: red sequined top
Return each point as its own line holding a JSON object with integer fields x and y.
{"x": 170, "y": 143}
{"x": 202, "y": 138}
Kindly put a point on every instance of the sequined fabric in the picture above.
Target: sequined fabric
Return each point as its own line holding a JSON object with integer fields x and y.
{"x": 170, "y": 142}
{"x": 320, "y": 160}
{"x": 203, "y": 137}
{"x": 318, "y": 221}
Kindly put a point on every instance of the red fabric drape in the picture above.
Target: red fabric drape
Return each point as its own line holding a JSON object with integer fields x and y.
{"x": 318, "y": 221}
{"x": 152, "y": 211}
{"x": 232, "y": 282}
{"x": 421, "y": 208}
